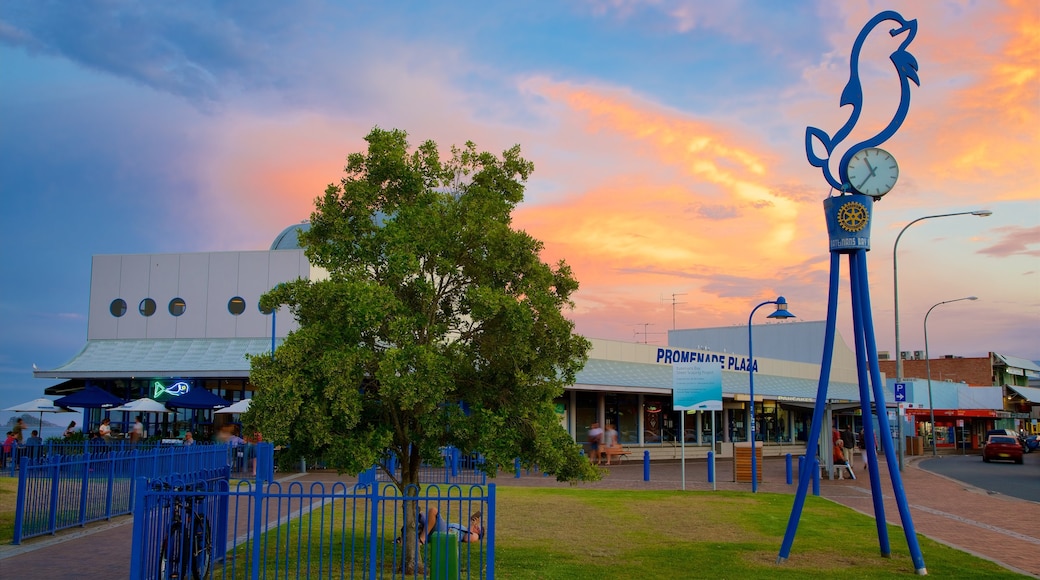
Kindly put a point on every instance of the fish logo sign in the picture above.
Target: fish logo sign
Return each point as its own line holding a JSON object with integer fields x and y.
{"x": 176, "y": 389}
{"x": 906, "y": 67}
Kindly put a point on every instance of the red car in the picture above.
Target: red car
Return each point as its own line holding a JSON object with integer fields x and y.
{"x": 1002, "y": 447}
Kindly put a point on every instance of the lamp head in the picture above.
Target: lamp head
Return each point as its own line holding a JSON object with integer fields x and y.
{"x": 982, "y": 212}
{"x": 781, "y": 309}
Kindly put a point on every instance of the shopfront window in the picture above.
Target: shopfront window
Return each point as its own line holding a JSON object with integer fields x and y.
{"x": 660, "y": 421}
{"x": 586, "y": 412}
{"x": 623, "y": 411}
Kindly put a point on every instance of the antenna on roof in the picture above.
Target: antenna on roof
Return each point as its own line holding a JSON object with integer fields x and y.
{"x": 673, "y": 305}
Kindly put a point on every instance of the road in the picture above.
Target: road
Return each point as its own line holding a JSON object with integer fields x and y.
{"x": 1021, "y": 481}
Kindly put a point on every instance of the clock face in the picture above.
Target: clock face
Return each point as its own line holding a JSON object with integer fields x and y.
{"x": 873, "y": 172}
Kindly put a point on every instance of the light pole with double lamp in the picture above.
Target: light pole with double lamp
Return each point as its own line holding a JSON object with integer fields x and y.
{"x": 928, "y": 368}
{"x": 895, "y": 297}
{"x": 781, "y": 312}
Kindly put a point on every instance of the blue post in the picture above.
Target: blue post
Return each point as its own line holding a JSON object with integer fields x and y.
{"x": 711, "y": 467}
{"x": 816, "y": 477}
{"x": 516, "y": 467}
{"x": 789, "y": 467}
{"x": 140, "y": 531}
{"x": 492, "y": 504}
{"x": 19, "y": 508}
{"x": 646, "y": 465}
{"x": 258, "y": 528}
{"x": 801, "y": 465}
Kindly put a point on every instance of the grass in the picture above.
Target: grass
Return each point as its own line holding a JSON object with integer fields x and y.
{"x": 548, "y": 533}
{"x": 577, "y": 534}
{"x": 8, "y": 496}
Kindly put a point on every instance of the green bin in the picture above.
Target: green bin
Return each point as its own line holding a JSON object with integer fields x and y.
{"x": 444, "y": 556}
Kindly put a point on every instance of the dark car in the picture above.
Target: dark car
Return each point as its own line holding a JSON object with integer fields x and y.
{"x": 1032, "y": 443}
{"x": 1002, "y": 448}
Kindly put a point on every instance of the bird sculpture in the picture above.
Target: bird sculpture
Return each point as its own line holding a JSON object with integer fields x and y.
{"x": 906, "y": 67}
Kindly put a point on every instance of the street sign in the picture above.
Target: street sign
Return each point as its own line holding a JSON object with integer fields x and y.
{"x": 900, "y": 392}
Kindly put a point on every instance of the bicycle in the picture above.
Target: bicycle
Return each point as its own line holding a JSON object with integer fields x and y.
{"x": 188, "y": 545}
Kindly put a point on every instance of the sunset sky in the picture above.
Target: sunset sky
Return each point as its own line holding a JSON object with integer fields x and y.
{"x": 668, "y": 140}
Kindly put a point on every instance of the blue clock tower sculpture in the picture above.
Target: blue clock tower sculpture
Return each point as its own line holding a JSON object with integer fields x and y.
{"x": 864, "y": 174}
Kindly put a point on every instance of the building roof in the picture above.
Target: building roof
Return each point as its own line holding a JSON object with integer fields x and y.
{"x": 288, "y": 239}
{"x": 1013, "y": 362}
{"x": 226, "y": 357}
{"x": 125, "y": 358}
{"x": 645, "y": 377}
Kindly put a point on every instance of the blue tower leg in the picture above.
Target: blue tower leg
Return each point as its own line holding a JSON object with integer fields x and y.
{"x": 806, "y": 475}
{"x": 860, "y": 331}
{"x": 885, "y": 429}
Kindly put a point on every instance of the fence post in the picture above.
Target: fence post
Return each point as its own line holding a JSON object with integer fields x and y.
{"x": 789, "y": 468}
{"x": 491, "y": 533}
{"x": 220, "y": 515}
{"x": 646, "y": 465}
{"x": 816, "y": 477}
{"x": 108, "y": 490}
{"x": 516, "y": 467}
{"x": 258, "y": 512}
{"x": 140, "y": 531}
{"x": 373, "y": 533}
{"x": 52, "y": 518}
{"x": 711, "y": 467}
{"x": 19, "y": 508}
{"x": 84, "y": 493}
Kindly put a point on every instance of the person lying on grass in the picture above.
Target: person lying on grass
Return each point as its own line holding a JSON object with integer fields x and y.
{"x": 434, "y": 523}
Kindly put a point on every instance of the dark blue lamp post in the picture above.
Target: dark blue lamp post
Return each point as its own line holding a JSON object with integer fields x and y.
{"x": 781, "y": 312}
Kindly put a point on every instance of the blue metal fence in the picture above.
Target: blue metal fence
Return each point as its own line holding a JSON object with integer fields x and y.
{"x": 56, "y": 491}
{"x": 262, "y": 530}
{"x": 458, "y": 468}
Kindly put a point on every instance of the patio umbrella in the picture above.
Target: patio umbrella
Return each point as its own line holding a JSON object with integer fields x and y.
{"x": 197, "y": 399}
{"x": 40, "y": 406}
{"x": 142, "y": 405}
{"x": 239, "y": 407}
{"x": 90, "y": 397}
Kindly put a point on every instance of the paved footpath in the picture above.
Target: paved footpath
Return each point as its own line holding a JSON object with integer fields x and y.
{"x": 992, "y": 526}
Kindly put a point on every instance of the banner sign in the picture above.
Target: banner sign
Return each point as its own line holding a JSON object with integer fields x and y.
{"x": 696, "y": 386}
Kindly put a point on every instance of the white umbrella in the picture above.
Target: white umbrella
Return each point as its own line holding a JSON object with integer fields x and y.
{"x": 142, "y": 405}
{"x": 40, "y": 406}
{"x": 239, "y": 407}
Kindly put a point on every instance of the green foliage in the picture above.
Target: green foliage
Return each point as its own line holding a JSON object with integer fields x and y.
{"x": 438, "y": 323}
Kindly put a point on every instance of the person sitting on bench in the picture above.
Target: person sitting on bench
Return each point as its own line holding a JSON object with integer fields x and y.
{"x": 434, "y": 523}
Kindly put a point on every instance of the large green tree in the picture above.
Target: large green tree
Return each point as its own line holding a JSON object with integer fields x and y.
{"x": 438, "y": 323}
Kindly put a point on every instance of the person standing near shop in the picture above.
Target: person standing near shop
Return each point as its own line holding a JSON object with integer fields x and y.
{"x": 595, "y": 440}
{"x": 137, "y": 433}
{"x": 848, "y": 438}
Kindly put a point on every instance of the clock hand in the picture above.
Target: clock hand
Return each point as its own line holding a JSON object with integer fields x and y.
{"x": 870, "y": 167}
{"x": 865, "y": 180}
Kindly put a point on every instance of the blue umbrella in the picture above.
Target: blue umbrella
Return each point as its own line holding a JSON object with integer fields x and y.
{"x": 90, "y": 397}
{"x": 197, "y": 398}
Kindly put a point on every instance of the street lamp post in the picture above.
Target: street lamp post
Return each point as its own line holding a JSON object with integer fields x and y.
{"x": 895, "y": 297}
{"x": 781, "y": 312}
{"x": 928, "y": 368}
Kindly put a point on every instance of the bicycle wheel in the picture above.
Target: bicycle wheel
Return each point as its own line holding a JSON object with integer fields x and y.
{"x": 201, "y": 549}
{"x": 171, "y": 563}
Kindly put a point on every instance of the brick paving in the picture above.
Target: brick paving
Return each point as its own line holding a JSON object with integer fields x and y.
{"x": 999, "y": 528}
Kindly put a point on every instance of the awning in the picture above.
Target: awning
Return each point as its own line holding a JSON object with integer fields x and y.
{"x": 1030, "y": 394}
{"x": 944, "y": 413}
{"x": 1018, "y": 366}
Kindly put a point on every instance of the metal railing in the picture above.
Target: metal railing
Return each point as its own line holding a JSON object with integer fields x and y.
{"x": 267, "y": 530}
{"x": 57, "y": 492}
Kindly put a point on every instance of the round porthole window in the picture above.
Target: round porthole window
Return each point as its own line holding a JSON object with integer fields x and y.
{"x": 177, "y": 306}
{"x": 236, "y": 305}
{"x": 262, "y": 309}
{"x": 117, "y": 307}
{"x": 147, "y": 307}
